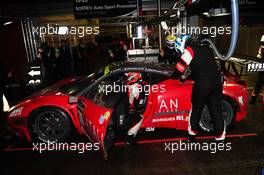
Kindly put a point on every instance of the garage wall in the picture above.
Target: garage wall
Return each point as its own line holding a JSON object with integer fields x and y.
{"x": 248, "y": 41}
{"x": 13, "y": 55}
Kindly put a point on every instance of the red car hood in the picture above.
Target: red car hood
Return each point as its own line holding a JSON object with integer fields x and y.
{"x": 55, "y": 88}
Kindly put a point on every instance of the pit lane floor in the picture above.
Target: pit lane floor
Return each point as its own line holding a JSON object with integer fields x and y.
{"x": 246, "y": 156}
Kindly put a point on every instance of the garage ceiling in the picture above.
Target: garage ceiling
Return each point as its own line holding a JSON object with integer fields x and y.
{"x": 20, "y": 9}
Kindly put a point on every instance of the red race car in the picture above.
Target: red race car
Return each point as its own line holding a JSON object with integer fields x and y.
{"x": 167, "y": 103}
{"x": 52, "y": 114}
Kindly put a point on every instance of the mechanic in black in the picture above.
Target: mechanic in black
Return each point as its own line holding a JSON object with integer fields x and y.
{"x": 170, "y": 53}
{"x": 207, "y": 88}
{"x": 260, "y": 79}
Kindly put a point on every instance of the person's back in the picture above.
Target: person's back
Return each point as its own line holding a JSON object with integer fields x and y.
{"x": 207, "y": 88}
{"x": 203, "y": 65}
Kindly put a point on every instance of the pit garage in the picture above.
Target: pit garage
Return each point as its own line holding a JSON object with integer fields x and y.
{"x": 105, "y": 87}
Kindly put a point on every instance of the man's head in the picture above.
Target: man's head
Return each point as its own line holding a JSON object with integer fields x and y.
{"x": 170, "y": 41}
{"x": 181, "y": 43}
{"x": 133, "y": 77}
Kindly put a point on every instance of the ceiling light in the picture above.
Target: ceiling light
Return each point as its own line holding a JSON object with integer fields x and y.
{"x": 6, "y": 23}
{"x": 63, "y": 30}
{"x": 164, "y": 25}
{"x": 206, "y": 13}
{"x": 139, "y": 32}
{"x": 219, "y": 12}
{"x": 216, "y": 12}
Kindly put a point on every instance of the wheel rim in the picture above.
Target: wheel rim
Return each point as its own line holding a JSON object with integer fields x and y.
{"x": 50, "y": 126}
{"x": 227, "y": 113}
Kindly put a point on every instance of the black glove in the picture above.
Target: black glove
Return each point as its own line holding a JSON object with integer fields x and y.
{"x": 176, "y": 74}
{"x": 182, "y": 79}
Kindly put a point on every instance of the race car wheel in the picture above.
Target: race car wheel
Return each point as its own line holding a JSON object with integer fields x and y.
{"x": 51, "y": 124}
{"x": 228, "y": 112}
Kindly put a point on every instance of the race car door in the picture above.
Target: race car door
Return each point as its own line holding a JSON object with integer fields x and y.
{"x": 170, "y": 106}
{"x": 95, "y": 113}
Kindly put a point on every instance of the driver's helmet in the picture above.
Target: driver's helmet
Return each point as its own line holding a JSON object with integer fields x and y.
{"x": 170, "y": 41}
{"x": 180, "y": 42}
{"x": 133, "y": 77}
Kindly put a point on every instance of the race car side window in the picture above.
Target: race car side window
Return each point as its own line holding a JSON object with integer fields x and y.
{"x": 107, "y": 92}
{"x": 155, "y": 78}
{"x": 110, "y": 91}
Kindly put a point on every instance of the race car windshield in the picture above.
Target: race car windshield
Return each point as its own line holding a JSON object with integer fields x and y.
{"x": 75, "y": 87}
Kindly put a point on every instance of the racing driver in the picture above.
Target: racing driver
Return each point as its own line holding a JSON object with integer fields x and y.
{"x": 207, "y": 88}
{"x": 135, "y": 95}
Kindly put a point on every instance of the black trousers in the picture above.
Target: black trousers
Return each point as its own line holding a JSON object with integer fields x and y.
{"x": 259, "y": 83}
{"x": 208, "y": 93}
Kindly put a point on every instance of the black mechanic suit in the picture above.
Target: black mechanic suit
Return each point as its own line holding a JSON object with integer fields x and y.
{"x": 207, "y": 89}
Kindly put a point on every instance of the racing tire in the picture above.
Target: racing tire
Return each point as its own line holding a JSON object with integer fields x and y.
{"x": 228, "y": 112}
{"x": 51, "y": 125}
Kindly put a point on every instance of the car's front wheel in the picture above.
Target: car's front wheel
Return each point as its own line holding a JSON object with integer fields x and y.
{"x": 51, "y": 124}
{"x": 228, "y": 113}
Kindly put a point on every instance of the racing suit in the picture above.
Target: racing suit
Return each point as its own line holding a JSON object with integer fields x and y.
{"x": 207, "y": 88}
{"x": 135, "y": 97}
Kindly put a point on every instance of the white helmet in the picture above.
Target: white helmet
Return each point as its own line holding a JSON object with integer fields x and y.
{"x": 180, "y": 42}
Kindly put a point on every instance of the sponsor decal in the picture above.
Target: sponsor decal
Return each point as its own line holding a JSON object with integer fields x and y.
{"x": 168, "y": 106}
{"x": 104, "y": 117}
{"x": 101, "y": 119}
{"x": 107, "y": 70}
{"x": 241, "y": 101}
{"x": 170, "y": 119}
{"x": 107, "y": 115}
{"x": 150, "y": 129}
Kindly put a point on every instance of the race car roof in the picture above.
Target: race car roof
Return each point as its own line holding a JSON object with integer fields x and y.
{"x": 141, "y": 65}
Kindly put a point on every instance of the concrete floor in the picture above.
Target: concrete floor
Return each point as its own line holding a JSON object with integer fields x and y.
{"x": 245, "y": 158}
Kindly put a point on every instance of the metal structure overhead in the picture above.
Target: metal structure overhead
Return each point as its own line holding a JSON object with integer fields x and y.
{"x": 29, "y": 8}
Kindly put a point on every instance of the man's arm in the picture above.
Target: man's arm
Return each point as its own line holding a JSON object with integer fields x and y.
{"x": 183, "y": 63}
{"x": 260, "y": 56}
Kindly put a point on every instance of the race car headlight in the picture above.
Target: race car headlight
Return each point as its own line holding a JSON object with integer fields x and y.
{"x": 16, "y": 112}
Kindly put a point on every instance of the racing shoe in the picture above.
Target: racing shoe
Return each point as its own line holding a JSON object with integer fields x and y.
{"x": 222, "y": 136}
{"x": 131, "y": 140}
{"x": 191, "y": 138}
{"x": 190, "y": 131}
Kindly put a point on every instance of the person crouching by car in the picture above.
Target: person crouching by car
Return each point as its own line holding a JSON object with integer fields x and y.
{"x": 207, "y": 88}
